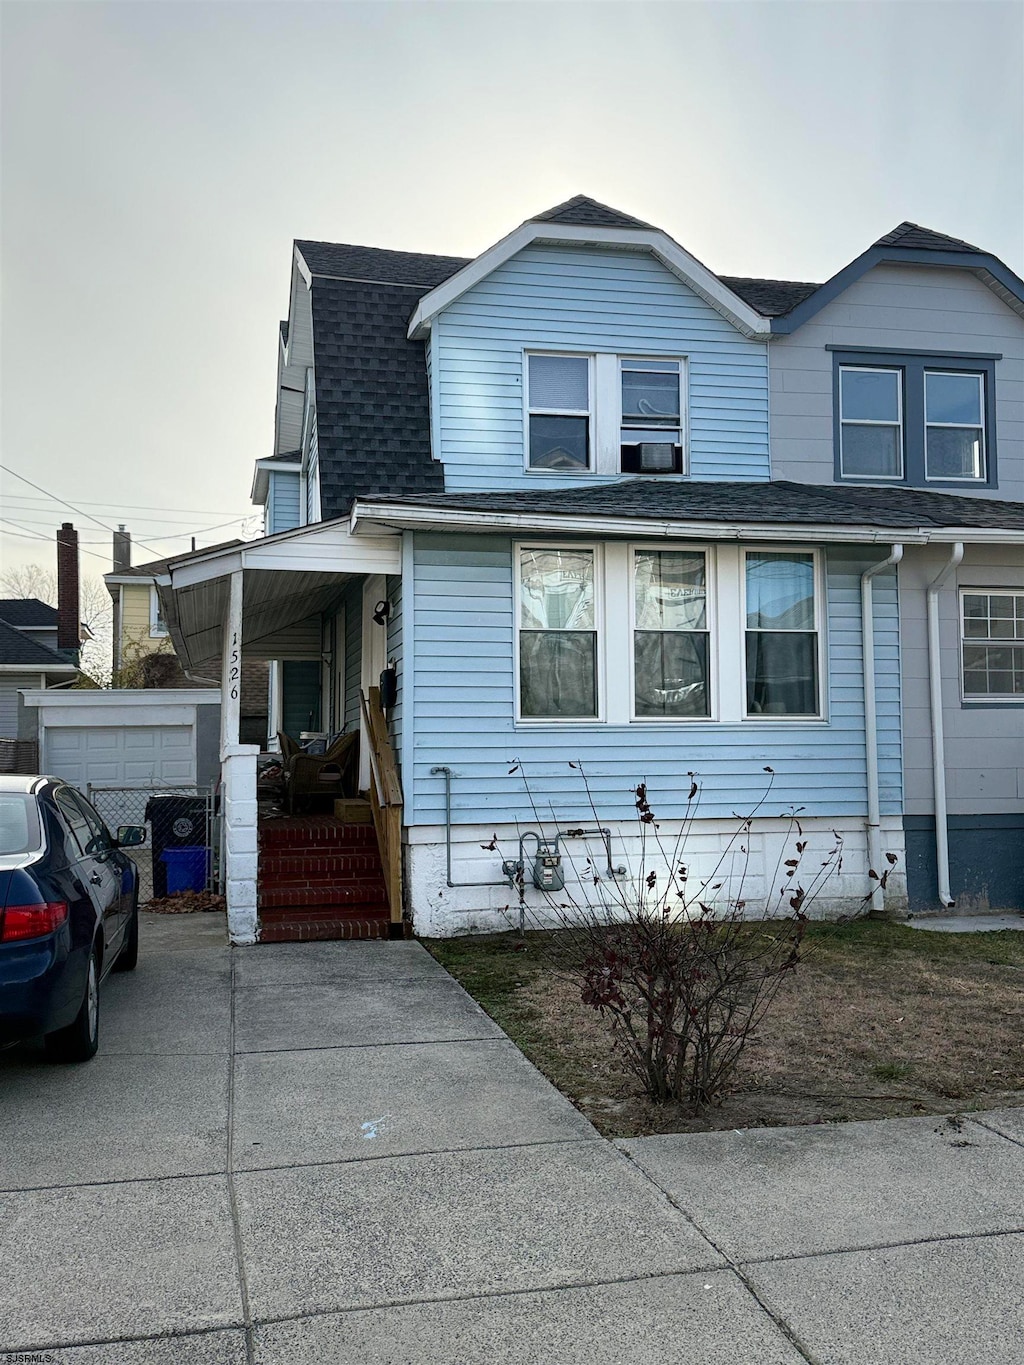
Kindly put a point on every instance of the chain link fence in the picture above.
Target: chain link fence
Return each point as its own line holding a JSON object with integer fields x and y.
{"x": 182, "y": 848}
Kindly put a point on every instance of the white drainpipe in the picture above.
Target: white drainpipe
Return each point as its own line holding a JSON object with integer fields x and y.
{"x": 938, "y": 735}
{"x": 867, "y": 628}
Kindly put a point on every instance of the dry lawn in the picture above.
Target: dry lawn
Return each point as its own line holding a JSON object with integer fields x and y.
{"x": 879, "y": 1020}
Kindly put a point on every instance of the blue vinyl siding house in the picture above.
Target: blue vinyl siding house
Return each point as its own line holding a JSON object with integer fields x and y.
{"x": 611, "y": 518}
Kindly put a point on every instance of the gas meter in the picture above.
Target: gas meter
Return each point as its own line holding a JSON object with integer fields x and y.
{"x": 547, "y": 868}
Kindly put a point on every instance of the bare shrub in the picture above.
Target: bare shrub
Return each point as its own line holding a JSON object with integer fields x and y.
{"x": 681, "y": 967}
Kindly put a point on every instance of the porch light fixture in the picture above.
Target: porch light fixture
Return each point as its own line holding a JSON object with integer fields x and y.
{"x": 381, "y": 612}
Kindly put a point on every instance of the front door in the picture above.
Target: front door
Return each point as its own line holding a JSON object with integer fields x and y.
{"x": 300, "y": 696}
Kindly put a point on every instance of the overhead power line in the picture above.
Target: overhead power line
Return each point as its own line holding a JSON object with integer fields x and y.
{"x": 26, "y": 534}
{"x": 129, "y": 506}
{"x": 64, "y": 503}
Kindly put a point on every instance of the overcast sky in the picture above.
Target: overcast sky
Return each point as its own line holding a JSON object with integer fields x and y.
{"x": 158, "y": 159}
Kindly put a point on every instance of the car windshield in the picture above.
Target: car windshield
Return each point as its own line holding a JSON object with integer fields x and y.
{"x": 19, "y": 823}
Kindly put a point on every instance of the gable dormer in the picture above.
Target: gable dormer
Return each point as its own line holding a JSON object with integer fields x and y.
{"x": 589, "y": 346}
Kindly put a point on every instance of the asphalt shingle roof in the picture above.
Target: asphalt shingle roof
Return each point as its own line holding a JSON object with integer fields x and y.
{"x": 372, "y": 413}
{"x": 778, "y": 502}
{"x": 377, "y": 265}
{"x": 17, "y": 648}
{"x": 771, "y": 298}
{"x": 580, "y": 211}
{"x": 918, "y": 238}
{"x": 27, "y": 611}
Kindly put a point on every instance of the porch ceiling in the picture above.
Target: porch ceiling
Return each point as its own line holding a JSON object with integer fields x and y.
{"x": 280, "y": 614}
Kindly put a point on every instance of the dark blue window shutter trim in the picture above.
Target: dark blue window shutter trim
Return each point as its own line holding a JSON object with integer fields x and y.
{"x": 913, "y": 364}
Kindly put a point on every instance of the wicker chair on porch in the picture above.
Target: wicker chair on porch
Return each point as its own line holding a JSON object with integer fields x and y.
{"x": 333, "y": 773}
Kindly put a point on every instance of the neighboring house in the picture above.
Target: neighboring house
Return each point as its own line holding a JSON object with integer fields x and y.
{"x": 598, "y": 506}
{"x": 29, "y": 658}
{"x": 143, "y": 653}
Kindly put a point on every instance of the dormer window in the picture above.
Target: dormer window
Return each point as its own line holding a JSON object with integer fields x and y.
{"x": 871, "y": 423}
{"x": 651, "y": 436}
{"x": 559, "y": 412}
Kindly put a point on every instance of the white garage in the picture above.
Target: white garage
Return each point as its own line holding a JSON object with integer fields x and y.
{"x": 150, "y": 738}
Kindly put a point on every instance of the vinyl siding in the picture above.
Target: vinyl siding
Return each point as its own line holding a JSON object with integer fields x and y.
{"x": 313, "y": 478}
{"x": 984, "y": 744}
{"x": 283, "y": 501}
{"x": 899, "y": 308}
{"x": 589, "y": 300}
{"x": 464, "y": 698}
{"x": 10, "y": 685}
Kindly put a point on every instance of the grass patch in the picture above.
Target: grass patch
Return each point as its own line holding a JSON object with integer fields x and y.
{"x": 878, "y": 1020}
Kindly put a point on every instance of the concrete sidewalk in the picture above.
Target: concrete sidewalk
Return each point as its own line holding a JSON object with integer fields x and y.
{"x": 319, "y": 1153}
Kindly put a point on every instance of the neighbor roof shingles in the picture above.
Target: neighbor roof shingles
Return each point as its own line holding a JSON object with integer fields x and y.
{"x": 917, "y": 238}
{"x": 16, "y": 648}
{"x": 778, "y": 502}
{"x": 27, "y": 611}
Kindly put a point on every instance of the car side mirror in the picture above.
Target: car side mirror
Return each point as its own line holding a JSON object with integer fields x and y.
{"x": 130, "y": 836}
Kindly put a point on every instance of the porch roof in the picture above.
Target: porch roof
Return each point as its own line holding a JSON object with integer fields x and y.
{"x": 288, "y": 580}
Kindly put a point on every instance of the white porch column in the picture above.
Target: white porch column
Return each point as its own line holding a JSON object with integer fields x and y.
{"x": 238, "y": 781}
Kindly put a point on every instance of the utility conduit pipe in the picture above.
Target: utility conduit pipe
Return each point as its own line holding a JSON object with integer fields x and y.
{"x": 938, "y": 732}
{"x": 867, "y": 627}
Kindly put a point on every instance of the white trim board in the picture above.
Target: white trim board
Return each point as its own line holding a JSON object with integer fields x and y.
{"x": 697, "y": 276}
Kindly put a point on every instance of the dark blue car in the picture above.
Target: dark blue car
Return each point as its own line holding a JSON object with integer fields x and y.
{"x": 69, "y": 914}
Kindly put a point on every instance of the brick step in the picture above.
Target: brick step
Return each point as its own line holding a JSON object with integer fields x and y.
{"x": 329, "y": 910}
{"x": 329, "y": 928}
{"x": 313, "y": 864}
{"x": 337, "y": 894}
{"x": 312, "y": 833}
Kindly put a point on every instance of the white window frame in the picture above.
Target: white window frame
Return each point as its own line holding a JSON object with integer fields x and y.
{"x": 821, "y": 619}
{"x": 530, "y": 411}
{"x": 596, "y": 549}
{"x": 711, "y": 615}
{"x": 155, "y": 632}
{"x": 684, "y": 411}
{"x": 868, "y": 422}
{"x": 984, "y": 698}
{"x": 982, "y": 476}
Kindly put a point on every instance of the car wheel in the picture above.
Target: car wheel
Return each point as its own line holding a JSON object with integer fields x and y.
{"x": 129, "y": 954}
{"x": 79, "y": 1041}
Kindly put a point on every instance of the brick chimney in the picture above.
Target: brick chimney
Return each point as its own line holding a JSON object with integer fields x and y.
{"x": 68, "y": 605}
{"x": 122, "y": 549}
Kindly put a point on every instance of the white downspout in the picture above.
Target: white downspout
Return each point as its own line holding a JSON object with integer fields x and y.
{"x": 938, "y": 734}
{"x": 867, "y": 629}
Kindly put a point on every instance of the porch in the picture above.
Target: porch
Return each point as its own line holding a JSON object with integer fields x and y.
{"x": 316, "y": 603}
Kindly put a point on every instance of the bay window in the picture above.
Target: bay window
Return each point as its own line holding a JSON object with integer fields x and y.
{"x": 557, "y": 620}
{"x": 670, "y": 634}
{"x": 781, "y": 634}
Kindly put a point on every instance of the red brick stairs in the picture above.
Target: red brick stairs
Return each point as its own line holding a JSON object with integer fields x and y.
{"x": 320, "y": 878}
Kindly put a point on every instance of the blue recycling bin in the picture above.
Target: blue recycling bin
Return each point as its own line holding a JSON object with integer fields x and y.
{"x": 187, "y": 869}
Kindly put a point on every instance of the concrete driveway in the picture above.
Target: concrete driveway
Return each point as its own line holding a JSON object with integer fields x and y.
{"x": 320, "y": 1153}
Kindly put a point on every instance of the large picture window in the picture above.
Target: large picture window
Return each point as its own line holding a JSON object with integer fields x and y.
{"x": 781, "y": 634}
{"x": 670, "y": 635}
{"x": 558, "y": 674}
{"x": 559, "y": 412}
{"x": 992, "y": 646}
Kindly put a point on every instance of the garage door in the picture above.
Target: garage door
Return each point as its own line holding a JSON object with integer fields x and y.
{"x": 121, "y": 756}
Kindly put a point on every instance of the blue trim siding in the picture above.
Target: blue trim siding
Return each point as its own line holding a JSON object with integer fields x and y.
{"x": 464, "y": 713}
{"x": 986, "y": 869}
{"x": 589, "y": 301}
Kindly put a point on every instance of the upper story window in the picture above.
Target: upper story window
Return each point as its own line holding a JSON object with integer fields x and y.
{"x": 559, "y": 412}
{"x": 157, "y": 624}
{"x": 605, "y": 414}
{"x": 915, "y": 420}
{"x": 992, "y": 645}
{"x": 651, "y": 436}
{"x": 870, "y": 423}
{"x": 954, "y": 415}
